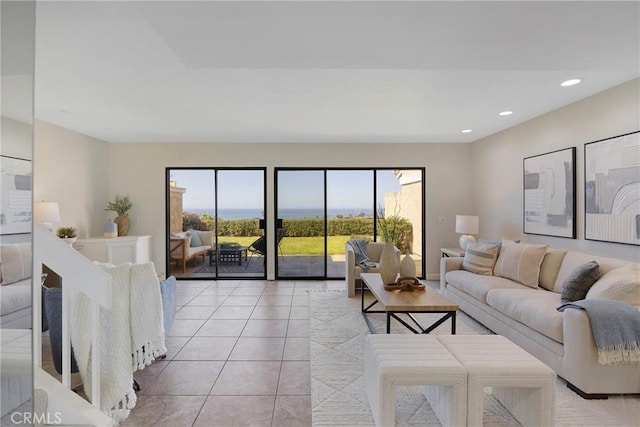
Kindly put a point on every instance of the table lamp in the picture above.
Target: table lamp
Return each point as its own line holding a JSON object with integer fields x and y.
{"x": 46, "y": 213}
{"x": 467, "y": 225}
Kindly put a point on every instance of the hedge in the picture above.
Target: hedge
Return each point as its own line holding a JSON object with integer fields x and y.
{"x": 305, "y": 227}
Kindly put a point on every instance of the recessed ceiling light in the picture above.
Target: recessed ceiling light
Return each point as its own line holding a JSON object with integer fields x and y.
{"x": 466, "y": 131}
{"x": 570, "y": 82}
{"x": 506, "y": 113}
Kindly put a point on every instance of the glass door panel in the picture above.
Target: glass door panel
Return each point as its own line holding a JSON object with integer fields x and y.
{"x": 191, "y": 207}
{"x": 399, "y": 196}
{"x": 349, "y": 214}
{"x": 240, "y": 223}
{"x": 225, "y": 207}
{"x": 301, "y": 207}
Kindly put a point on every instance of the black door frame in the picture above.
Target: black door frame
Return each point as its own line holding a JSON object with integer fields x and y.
{"x": 215, "y": 170}
{"x": 375, "y": 212}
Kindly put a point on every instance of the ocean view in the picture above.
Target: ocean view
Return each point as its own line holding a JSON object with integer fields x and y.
{"x": 283, "y": 213}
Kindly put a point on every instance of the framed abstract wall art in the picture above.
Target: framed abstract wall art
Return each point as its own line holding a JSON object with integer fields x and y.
{"x": 549, "y": 194}
{"x": 15, "y": 207}
{"x": 612, "y": 189}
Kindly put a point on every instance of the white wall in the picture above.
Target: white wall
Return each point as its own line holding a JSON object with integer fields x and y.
{"x": 497, "y": 178}
{"x": 71, "y": 168}
{"x": 16, "y": 139}
{"x": 141, "y": 175}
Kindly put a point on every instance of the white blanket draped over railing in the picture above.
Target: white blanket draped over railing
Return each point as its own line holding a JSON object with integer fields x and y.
{"x": 131, "y": 334}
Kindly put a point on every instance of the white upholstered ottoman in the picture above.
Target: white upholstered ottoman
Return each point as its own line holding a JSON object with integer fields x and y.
{"x": 392, "y": 360}
{"x": 522, "y": 383}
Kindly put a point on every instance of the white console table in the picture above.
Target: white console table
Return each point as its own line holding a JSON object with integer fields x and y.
{"x": 116, "y": 250}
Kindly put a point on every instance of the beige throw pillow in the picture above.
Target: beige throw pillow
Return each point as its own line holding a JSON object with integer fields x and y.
{"x": 622, "y": 284}
{"x": 550, "y": 267}
{"x": 479, "y": 258}
{"x": 15, "y": 261}
{"x": 520, "y": 262}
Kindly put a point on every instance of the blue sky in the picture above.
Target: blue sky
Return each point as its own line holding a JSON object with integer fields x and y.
{"x": 243, "y": 189}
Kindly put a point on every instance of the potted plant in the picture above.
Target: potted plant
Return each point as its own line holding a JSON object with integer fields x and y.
{"x": 121, "y": 206}
{"x": 68, "y": 234}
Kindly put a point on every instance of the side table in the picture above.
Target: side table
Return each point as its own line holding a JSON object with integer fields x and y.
{"x": 451, "y": 252}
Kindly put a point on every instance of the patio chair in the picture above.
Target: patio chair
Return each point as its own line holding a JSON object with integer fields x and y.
{"x": 259, "y": 246}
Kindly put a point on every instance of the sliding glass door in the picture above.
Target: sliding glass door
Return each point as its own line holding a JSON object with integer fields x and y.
{"x": 350, "y": 201}
{"x": 215, "y": 217}
{"x": 301, "y": 214}
{"x": 321, "y": 209}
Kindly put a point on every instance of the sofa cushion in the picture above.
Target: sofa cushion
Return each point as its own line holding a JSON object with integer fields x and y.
{"x": 520, "y": 262}
{"x": 477, "y": 285}
{"x": 621, "y": 284}
{"x": 573, "y": 259}
{"x": 535, "y": 308}
{"x": 15, "y": 262}
{"x": 550, "y": 267}
{"x": 15, "y": 297}
{"x": 195, "y": 238}
{"x": 577, "y": 284}
{"x": 480, "y": 258}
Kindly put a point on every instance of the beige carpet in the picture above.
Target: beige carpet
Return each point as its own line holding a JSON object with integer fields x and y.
{"x": 337, "y": 375}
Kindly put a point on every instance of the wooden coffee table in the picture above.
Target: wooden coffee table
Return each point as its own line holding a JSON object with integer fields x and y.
{"x": 408, "y": 302}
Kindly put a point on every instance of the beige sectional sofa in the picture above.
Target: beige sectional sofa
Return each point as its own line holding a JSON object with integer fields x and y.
{"x": 528, "y": 316}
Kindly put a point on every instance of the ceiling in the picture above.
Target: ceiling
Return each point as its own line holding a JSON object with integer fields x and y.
{"x": 323, "y": 71}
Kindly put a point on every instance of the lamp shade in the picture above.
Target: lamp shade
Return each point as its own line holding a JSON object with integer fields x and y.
{"x": 46, "y": 212}
{"x": 467, "y": 224}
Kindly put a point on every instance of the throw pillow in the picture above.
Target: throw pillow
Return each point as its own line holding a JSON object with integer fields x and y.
{"x": 578, "y": 283}
{"x": 498, "y": 243}
{"x": 15, "y": 261}
{"x": 480, "y": 258}
{"x": 520, "y": 262}
{"x": 195, "y": 238}
{"x": 622, "y": 284}
{"x": 550, "y": 267}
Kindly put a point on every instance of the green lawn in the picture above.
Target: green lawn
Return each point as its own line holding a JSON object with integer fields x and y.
{"x": 299, "y": 245}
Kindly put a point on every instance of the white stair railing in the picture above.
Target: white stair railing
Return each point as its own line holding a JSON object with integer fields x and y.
{"x": 76, "y": 272}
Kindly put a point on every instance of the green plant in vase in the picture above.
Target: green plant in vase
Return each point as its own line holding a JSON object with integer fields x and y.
{"x": 121, "y": 206}
{"x": 68, "y": 234}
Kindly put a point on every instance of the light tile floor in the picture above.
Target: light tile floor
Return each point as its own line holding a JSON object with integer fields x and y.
{"x": 238, "y": 355}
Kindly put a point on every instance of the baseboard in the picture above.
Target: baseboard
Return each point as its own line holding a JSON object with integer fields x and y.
{"x": 588, "y": 396}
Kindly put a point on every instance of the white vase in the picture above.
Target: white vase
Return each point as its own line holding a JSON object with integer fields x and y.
{"x": 407, "y": 266}
{"x": 388, "y": 264}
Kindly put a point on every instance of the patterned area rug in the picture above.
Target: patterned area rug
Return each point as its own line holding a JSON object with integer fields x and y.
{"x": 337, "y": 374}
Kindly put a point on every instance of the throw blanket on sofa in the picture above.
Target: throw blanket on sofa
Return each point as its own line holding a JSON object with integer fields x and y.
{"x": 616, "y": 329}
{"x": 360, "y": 251}
{"x": 131, "y": 334}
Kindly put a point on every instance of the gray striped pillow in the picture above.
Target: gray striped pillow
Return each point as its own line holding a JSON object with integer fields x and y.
{"x": 479, "y": 258}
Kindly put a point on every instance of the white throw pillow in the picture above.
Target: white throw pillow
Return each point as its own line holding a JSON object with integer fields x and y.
{"x": 479, "y": 258}
{"x": 15, "y": 261}
{"x": 622, "y": 284}
{"x": 520, "y": 262}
